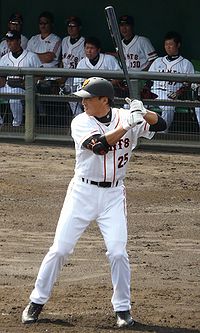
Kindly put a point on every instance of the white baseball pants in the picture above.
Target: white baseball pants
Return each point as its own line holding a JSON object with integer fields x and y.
{"x": 83, "y": 204}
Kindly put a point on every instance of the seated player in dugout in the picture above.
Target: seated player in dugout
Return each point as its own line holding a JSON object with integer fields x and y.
{"x": 138, "y": 50}
{"x": 15, "y": 23}
{"x": 172, "y": 62}
{"x": 16, "y": 57}
{"x": 72, "y": 50}
{"x": 47, "y": 46}
{"x": 94, "y": 59}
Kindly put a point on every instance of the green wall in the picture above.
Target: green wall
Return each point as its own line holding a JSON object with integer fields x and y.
{"x": 153, "y": 19}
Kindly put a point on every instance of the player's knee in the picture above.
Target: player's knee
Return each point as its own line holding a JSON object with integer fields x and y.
{"x": 62, "y": 249}
{"x": 117, "y": 251}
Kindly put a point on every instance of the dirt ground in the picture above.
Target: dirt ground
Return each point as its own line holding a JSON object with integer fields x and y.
{"x": 163, "y": 191}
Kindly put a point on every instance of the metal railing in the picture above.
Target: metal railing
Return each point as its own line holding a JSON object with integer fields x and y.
{"x": 58, "y": 125}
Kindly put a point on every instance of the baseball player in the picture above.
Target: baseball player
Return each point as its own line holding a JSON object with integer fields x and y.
{"x": 15, "y": 22}
{"x": 104, "y": 139}
{"x": 172, "y": 62}
{"x": 46, "y": 45}
{"x": 138, "y": 50}
{"x": 72, "y": 47}
{"x": 95, "y": 60}
{"x": 16, "y": 57}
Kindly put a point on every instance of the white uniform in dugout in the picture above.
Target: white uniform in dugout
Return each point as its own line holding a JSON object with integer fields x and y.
{"x": 4, "y": 46}
{"x": 51, "y": 43}
{"x": 164, "y": 88}
{"x": 71, "y": 55}
{"x": 106, "y": 61}
{"x": 138, "y": 53}
{"x": 26, "y": 59}
{"x": 111, "y": 202}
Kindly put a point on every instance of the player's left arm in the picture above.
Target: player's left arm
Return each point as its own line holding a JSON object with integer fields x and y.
{"x": 50, "y": 55}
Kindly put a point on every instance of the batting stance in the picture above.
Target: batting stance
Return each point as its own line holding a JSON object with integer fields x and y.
{"x": 104, "y": 139}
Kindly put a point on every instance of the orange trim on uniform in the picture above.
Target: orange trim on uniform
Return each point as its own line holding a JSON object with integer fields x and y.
{"x": 145, "y": 126}
{"x": 114, "y": 165}
{"x": 104, "y": 163}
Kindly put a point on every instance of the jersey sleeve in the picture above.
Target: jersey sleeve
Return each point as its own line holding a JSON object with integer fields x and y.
{"x": 57, "y": 47}
{"x": 141, "y": 131}
{"x": 35, "y": 61}
{"x": 30, "y": 44}
{"x": 153, "y": 67}
{"x": 112, "y": 63}
{"x": 148, "y": 48}
{"x": 82, "y": 127}
{"x": 189, "y": 67}
{"x": 2, "y": 60}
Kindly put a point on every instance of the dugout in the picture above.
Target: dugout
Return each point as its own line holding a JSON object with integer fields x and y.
{"x": 153, "y": 19}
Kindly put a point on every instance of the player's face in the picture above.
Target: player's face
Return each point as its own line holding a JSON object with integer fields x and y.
{"x": 44, "y": 25}
{"x": 95, "y": 106}
{"x": 91, "y": 51}
{"x": 15, "y": 26}
{"x": 171, "y": 47}
{"x": 73, "y": 30}
{"x": 14, "y": 44}
{"x": 126, "y": 30}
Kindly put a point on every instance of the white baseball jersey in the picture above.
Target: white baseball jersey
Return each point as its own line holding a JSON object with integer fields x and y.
{"x": 51, "y": 43}
{"x": 4, "y": 46}
{"x": 106, "y": 61}
{"x": 71, "y": 55}
{"x": 26, "y": 59}
{"x": 138, "y": 53}
{"x": 163, "y": 65}
{"x": 112, "y": 166}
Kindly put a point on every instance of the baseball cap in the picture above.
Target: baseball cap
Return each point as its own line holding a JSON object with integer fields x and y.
{"x": 13, "y": 35}
{"x": 16, "y": 18}
{"x": 74, "y": 20}
{"x": 126, "y": 19}
{"x": 96, "y": 87}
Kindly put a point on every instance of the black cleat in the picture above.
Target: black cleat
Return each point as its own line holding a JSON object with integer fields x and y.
{"x": 31, "y": 313}
{"x": 124, "y": 319}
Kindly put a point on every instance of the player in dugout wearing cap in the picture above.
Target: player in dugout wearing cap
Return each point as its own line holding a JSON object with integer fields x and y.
{"x": 15, "y": 23}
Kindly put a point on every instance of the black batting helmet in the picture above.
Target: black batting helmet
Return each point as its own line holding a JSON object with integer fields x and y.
{"x": 96, "y": 87}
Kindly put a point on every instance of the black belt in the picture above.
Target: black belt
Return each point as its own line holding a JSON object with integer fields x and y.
{"x": 99, "y": 184}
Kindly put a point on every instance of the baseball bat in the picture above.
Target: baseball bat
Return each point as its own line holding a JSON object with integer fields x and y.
{"x": 116, "y": 37}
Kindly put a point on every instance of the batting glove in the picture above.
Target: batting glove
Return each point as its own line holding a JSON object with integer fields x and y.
{"x": 132, "y": 119}
{"x": 136, "y": 105}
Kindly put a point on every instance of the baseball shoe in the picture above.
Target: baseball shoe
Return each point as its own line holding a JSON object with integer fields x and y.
{"x": 16, "y": 123}
{"x": 31, "y": 313}
{"x": 124, "y": 319}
